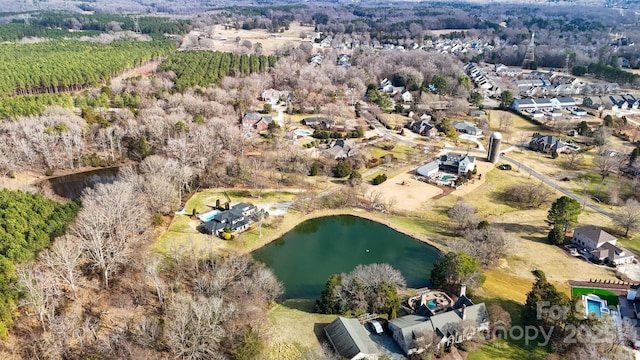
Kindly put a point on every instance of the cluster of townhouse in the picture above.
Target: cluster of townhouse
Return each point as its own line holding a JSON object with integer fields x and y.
{"x": 478, "y": 77}
{"x": 540, "y": 83}
{"x": 458, "y": 323}
{"x": 539, "y": 107}
{"x": 612, "y": 102}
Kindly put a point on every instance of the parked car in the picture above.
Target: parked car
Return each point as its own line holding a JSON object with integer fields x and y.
{"x": 377, "y": 328}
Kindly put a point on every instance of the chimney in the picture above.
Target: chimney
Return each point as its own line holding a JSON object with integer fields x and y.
{"x": 462, "y": 310}
{"x": 463, "y": 290}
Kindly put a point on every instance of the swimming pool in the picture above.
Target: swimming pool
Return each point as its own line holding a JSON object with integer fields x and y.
{"x": 447, "y": 177}
{"x": 302, "y": 132}
{"x": 594, "y": 307}
{"x": 209, "y": 215}
{"x": 431, "y": 304}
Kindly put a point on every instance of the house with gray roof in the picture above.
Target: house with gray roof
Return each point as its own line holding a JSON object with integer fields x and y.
{"x": 451, "y": 327}
{"x": 319, "y": 121}
{"x": 458, "y": 164}
{"x": 237, "y": 219}
{"x": 548, "y": 144}
{"x": 601, "y": 245}
{"x": 466, "y": 127}
{"x": 428, "y": 169}
{"x": 349, "y": 338}
{"x": 341, "y": 149}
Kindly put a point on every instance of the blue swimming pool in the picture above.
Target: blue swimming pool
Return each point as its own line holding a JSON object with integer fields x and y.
{"x": 302, "y": 132}
{"x": 209, "y": 215}
{"x": 431, "y": 304}
{"x": 594, "y": 307}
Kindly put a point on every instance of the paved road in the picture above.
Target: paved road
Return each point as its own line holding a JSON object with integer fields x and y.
{"x": 546, "y": 180}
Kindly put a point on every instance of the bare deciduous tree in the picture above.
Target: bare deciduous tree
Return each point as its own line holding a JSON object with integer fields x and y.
{"x": 463, "y": 214}
{"x": 193, "y": 327}
{"x": 628, "y": 216}
{"x": 109, "y": 223}
{"x": 41, "y": 291}
{"x": 604, "y": 163}
{"x": 63, "y": 258}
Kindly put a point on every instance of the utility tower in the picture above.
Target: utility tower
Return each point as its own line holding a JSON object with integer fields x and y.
{"x": 136, "y": 24}
{"x": 530, "y": 55}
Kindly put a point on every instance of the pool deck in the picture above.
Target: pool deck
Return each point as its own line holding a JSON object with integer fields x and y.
{"x": 442, "y": 300}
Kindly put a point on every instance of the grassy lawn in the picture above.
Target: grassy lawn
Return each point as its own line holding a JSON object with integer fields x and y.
{"x": 612, "y": 299}
{"x": 399, "y": 151}
{"x": 296, "y": 328}
{"x": 509, "y": 348}
{"x": 632, "y": 244}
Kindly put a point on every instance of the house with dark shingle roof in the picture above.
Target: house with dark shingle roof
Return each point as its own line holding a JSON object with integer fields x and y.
{"x": 466, "y": 127}
{"x": 548, "y": 144}
{"x": 449, "y": 326}
{"x": 255, "y": 121}
{"x": 349, "y": 338}
{"x": 459, "y": 164}
{"x": 236, "y": 219}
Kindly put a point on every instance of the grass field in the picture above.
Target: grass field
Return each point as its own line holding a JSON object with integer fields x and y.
{"x": 296, "y": 329}
{"x": 612, "y": 299}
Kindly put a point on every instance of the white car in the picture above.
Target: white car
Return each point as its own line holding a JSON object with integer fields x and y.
{"x": 377, "y": 327}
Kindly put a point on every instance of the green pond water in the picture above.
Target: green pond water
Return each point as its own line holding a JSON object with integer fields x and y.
{"x": 304, "y": 258}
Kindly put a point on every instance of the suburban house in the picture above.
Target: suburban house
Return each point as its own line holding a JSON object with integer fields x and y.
{"x": 548, "y": 144}
{"x": 349, "y": 338}
{"x": 255, "y": 121}
{"x": 458, "y": 164}
{"x": 406, "y": 96}
{"x": 386, "y": 86}
{"x": 601, "y": 245}
{"x": 236, "y": 219}
{"x": 409, "y": 330}
{"x": 593, "y": 102}
{"x": 317, "y": 121}
{"x": 423, "y": 128}
{"x": 274, "y": 96}
{"x": 466, "y": 127}
{"x": 341, "y": 149}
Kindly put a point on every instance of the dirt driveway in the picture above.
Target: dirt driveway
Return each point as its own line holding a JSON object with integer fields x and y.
{"x": 405, "y": 192}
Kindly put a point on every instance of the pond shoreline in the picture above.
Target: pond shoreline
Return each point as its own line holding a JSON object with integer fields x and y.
{"x": 360, "y": 213}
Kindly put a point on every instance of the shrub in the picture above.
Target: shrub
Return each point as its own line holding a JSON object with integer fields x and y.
{"x": 157, "y": 220}
{"x": 379, "y": 179}
{"x": 226, "y": 235}
{"x": 342, "y": 169}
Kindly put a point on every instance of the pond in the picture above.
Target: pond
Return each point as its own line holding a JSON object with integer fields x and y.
{"x": 71, "y": 186}
{"x": 304, "y": 258}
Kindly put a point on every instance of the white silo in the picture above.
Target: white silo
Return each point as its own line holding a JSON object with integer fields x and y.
{"x": 494, "y": 147}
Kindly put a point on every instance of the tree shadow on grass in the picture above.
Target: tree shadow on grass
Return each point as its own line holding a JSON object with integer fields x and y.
{"x": 318, "y": 330}
{"x": 305, "y": 305}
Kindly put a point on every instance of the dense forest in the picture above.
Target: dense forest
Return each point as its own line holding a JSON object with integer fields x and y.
{"x": 17, "y": 31}
{"x": 31, "y": 104}
{"x": 109, "y": 22}
{"x": 28, "y": 222}
{"x": 203, "y": 68}
{"x": 50, "y": 67}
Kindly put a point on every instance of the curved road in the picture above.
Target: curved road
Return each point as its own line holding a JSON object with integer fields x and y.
{"x": 546, "y": 180}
